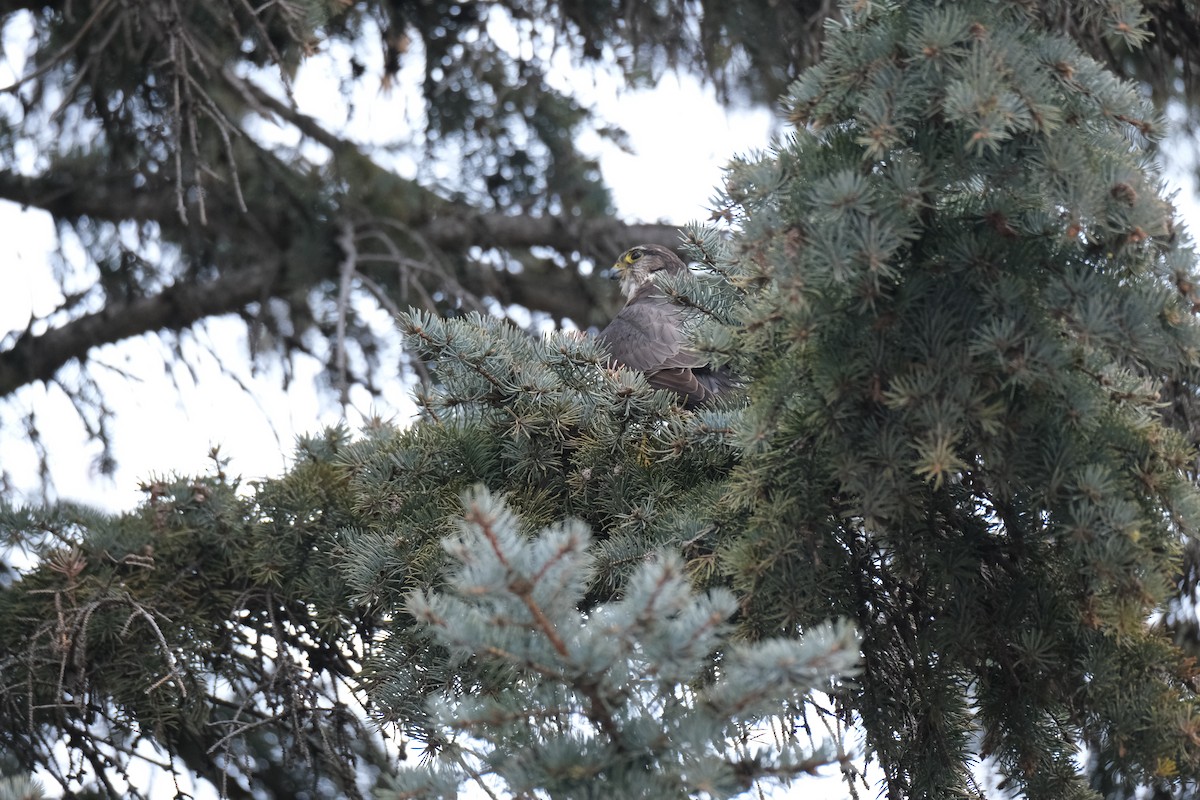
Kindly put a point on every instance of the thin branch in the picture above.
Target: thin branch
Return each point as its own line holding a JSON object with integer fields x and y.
{"x": 37, "y": 357}
{"x": 174, "y": 672}
{"x": 63, "y": 53}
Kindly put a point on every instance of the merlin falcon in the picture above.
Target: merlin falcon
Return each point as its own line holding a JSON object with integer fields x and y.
{"x": 647, "y": 334}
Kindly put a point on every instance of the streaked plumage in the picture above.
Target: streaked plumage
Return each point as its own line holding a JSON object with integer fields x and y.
{"x": 647, "y": 334}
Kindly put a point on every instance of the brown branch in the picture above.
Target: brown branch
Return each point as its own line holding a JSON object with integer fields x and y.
{"x": 36, "y": 357}
{"x": 602, "y": 238}
{"x": 72, "y": 194}
{"x": 63, "y": 53}
{"x": 543, "y": 286}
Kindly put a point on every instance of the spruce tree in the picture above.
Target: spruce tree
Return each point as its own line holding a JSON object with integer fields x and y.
{"x": 958, "y": 298}
{"x": 959, "y": 307}
{"x": 975, "y": 298}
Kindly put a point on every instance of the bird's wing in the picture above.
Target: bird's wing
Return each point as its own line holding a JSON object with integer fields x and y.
{"x": 647, "y": 334}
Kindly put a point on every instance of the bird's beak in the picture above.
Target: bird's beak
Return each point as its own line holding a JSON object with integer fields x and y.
{"x": 615, "y": 272}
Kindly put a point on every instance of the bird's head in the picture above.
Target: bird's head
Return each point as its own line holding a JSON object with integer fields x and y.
{"x": 637, "y": 266}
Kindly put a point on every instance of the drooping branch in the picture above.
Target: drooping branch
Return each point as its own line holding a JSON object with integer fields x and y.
{"x": 115, "y": 199}
{"x": 37, "y": 356}
{"x": 561, "y": 292}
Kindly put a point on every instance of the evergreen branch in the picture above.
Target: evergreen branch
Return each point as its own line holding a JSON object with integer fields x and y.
{"x": 518, "y": 585}
{"x": 475, "y": 776}
{"x": 599, "y": 712}
{"x": 173, "y": 671}
{"x": 752, "y": 769}
{"x": 634, "y": 663}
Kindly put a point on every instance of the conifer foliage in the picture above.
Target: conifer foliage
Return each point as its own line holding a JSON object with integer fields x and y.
{"x": 614, "y": 702}
{"x": 974, "y": 295}
{"x": 949, "y": 496}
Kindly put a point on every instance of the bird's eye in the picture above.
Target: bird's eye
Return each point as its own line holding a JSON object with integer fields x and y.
{"x": 636, "y": 253}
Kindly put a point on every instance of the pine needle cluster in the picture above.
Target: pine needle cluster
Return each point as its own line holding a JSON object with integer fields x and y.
{"x": 617, "y": 701}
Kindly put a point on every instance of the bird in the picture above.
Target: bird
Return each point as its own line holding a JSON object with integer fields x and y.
{"x": 647, "y": 334}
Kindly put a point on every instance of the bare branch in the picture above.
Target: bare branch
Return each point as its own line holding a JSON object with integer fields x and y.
{"x": 562, "y": 292}
{"x": 36, "y": 357}
{"x": 64, "y": 52}
{"x": 116, "y": 198}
